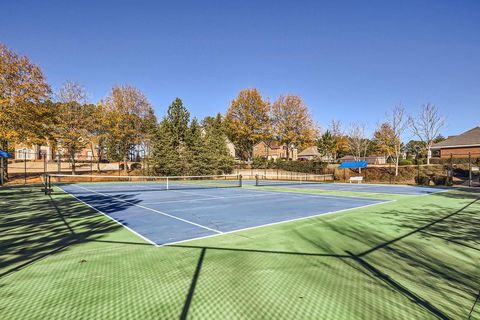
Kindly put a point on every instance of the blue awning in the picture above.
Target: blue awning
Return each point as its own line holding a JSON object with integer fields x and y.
{"x": 4, "y": 154}
{"x": 353, "y": 164}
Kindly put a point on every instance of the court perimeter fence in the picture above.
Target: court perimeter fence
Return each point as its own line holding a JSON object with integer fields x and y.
{"x": 457, "y": 169}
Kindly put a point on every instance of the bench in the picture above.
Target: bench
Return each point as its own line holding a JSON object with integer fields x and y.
{"x": 356, "y": 179}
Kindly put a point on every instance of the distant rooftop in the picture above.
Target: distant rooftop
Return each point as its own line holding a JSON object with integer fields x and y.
{"x": 468, "y": 138}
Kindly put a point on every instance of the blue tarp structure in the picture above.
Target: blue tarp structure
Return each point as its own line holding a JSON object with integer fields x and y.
{"x": 4, "y": 154}
{"x": 353, "y": 164}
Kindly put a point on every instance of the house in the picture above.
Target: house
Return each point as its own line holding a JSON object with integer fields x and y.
{"x": 311, "y": 153}
{"x": 369, "y": 159}
{"x": 25, "y": 151}
{"x": 32, "y": 152}
{"x": 230, "y": 147}
{"x": 459, "y": 146}
{"x": 274, "y": 150}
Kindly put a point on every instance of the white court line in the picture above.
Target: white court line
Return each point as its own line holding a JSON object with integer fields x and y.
{"x": 111, "y": 218}
{"x": 208, "y": 199}
{"x": 153, "y": 210}
{"x": 275, "y": 223}
{"x": 196, "y": 194}
{"x": 309, "y": 195}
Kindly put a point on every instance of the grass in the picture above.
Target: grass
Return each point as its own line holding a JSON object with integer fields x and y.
{"x": 414, "y": 258}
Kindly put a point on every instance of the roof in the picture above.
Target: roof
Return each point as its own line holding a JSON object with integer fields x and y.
{"x": 469, "y": 138}
{"x": 310, "y": 151}
{"x": 353, "y": 164}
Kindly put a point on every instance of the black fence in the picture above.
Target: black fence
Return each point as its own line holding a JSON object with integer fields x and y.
{"x": 29, "y": 167}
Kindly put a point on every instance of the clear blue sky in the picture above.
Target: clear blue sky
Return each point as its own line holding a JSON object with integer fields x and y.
{"x": 349, "y": 60}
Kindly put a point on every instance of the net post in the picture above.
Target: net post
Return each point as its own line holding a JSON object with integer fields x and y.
{"x": 240, "y": 180}
{"x": 167, "y": 185}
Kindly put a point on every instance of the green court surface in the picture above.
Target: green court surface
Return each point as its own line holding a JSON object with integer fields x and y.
{"x": 417, "y": 257}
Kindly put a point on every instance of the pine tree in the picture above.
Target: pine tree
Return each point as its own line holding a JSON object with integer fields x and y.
{"x": 199, "y": 158}
{"x": 215, "y": 141}
{"x": 170, "y": 152}
{"x": 164, "y": 156}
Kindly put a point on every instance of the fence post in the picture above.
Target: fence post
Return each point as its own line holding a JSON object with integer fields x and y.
{"x": 469, "y": 169}
{"x": 1, "y": 172}
{"x": 24, "y": 167}
{"x": 59, "y": 164}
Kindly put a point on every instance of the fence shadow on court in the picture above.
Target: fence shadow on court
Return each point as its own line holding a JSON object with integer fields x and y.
{"x": 43, "y": 226}
{"x": 401, "y": 262}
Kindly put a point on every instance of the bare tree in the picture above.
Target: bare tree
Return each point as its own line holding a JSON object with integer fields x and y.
{"x": 340, "y": 141}
{"x": 357, "y": 141}
{"x": 426, "y": 126}
{"x": 72, "y": 91}
{"x": 389, "y": 134}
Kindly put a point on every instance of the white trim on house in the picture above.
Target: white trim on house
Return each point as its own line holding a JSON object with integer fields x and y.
{"x": 456, "y": 146}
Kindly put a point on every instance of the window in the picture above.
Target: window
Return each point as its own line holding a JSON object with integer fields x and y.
{"x": 24, "y": 154}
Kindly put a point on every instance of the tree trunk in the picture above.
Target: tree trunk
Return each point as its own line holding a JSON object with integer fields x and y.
{"x": 72, "y": 157}
{"x": 428, "y": 155}
{"x": 397, "y": 158}
{"x": 4, "y": 147}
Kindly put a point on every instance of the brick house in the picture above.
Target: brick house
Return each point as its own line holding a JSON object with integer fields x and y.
{"x": 274, "y": 151}
{"x": 32, "y": 152}
{"x": 460, "y": 146}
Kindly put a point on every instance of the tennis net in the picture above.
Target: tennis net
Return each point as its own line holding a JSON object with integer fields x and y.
{"x": 107, "y": 184}
{"x": 297, "y": 179}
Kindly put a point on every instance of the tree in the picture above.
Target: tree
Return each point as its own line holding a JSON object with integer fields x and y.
{"x": 171, "y": 154}
{"x": 388, "y": 135}
{"x": 292, "y": 123}
{"x": 414, "y": 147}
{"x": 73, "y": 120}
{"x": 128, "y": 111}
{"x": 340, "y": 139}
{"x": 181, "y": 147}
{"x": 99, "y": 132}
{"x": 327, "y": 145}
{"x": 247, "y": 121}
{"x": 357, "y": 142}
{"x": 426, "y": 126}
{"x": 215, "y": 143}
{"x": 165, "y": 158}
{"x": 25, "y": 113}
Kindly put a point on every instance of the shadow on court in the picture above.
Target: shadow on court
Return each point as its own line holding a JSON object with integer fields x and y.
{"x": 34, "y": 226}
{"x": 431, "y": 261}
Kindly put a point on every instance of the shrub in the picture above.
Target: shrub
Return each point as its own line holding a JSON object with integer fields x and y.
{"x": 420, "y": 161}
{"x": 404, "y": 162}
{"x": 440, "y": 180}
{"x": 136, "y": 166}
{"x": 422, "y": 180}
{"x": 312, "y": 166}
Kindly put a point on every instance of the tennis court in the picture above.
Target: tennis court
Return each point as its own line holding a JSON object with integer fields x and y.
{"x": 319, "y": 183}
{"x": 197, "y": 208}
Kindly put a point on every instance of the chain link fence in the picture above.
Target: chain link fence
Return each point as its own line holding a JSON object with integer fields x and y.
{"x": 29, "y": 167}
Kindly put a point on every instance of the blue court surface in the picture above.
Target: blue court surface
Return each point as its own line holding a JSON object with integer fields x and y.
{"x": 354, "y": 187}
{"x": 169, "y": 216}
